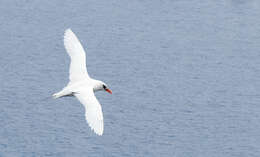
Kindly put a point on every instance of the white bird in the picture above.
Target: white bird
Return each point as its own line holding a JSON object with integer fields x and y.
{"x": 81, "y": 85}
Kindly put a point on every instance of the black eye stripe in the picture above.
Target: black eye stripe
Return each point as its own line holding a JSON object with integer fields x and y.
{"x": 104, "y": 87}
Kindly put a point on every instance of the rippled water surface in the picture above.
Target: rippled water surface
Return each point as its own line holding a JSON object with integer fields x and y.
{"x": 184, "y": 74}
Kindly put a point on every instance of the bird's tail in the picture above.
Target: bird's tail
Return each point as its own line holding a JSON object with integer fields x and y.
{"x": 57, "y": 95}
{"x": 64, "y": 92}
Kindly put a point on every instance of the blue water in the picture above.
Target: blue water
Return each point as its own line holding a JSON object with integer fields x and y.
{"x": 184, "y": 74}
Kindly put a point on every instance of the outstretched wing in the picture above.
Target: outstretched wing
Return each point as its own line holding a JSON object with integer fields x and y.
{"x": 93, "y": 110}
{"x": 78, "y": 70}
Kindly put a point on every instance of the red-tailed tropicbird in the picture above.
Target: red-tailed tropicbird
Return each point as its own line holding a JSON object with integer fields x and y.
{"x": 81, "y": 85}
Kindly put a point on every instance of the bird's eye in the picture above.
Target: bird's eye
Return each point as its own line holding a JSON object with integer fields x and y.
{"x": 104, "y": 87}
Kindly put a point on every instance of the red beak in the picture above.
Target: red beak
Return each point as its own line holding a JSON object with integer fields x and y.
{"x": 108, "y": 90}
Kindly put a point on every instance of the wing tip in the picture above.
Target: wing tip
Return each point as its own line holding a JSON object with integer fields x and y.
{"x": 67, "y": 32}
{"x": 98, "y": 131}
{"x": 68, "y": 36}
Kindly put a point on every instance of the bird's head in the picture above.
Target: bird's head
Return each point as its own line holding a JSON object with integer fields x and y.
{"x": 101, "y": 86}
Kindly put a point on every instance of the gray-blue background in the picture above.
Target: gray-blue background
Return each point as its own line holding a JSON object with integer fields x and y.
{"x": 184, "y": 74}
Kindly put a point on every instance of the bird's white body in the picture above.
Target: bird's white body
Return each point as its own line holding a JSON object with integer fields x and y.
{"x": 81, "y": 85}
{"x": 73, "y": 88}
